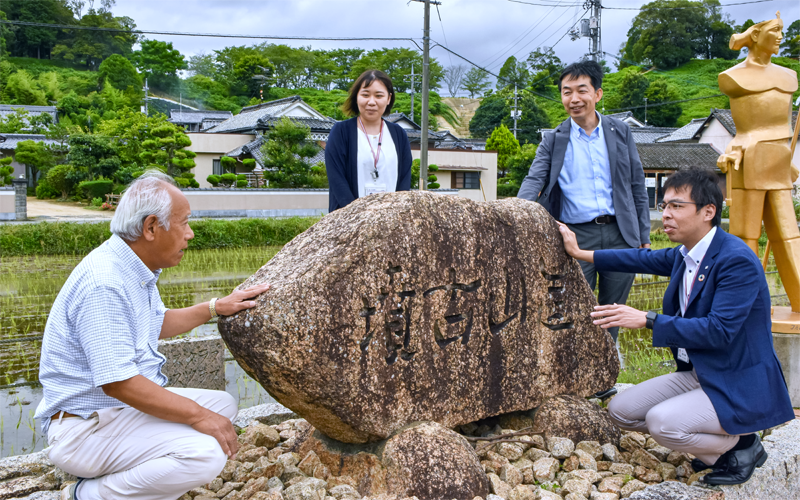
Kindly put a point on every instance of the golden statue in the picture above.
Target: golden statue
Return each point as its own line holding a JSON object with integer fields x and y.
{"x": 758, "y": 160}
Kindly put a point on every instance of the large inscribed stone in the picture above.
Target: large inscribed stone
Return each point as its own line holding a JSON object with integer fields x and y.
{"x": 413, "y": 306}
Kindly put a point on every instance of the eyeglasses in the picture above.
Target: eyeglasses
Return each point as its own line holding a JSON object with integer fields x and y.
{"x": 676, "y": 205}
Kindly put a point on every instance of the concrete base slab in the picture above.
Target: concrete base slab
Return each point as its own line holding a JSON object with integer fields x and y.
{"x": 787, "y": 347}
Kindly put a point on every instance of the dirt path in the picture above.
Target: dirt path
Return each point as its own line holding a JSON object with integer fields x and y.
{"x": 63, "y": 210}
{"x": 465, "y": 109}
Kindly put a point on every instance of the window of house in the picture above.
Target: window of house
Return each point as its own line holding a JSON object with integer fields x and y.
{"x": 217, "y": 168}
{"x": 465, "y": 180}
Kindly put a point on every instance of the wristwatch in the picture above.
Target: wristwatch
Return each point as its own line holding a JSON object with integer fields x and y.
{"x": 651, "y": 318}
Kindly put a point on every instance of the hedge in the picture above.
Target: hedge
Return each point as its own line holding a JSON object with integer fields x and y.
{"x": 71, "y": 238}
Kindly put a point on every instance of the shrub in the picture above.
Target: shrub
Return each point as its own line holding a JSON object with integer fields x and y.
{"x": 96, "y": 202}
{"x": 107, "y": 206}
{"x": 227, "y": 179}
{"x": 507, "y": 190}
{"x": 213, "y": 180}
{"x": 241, "y": 183}
{"x": 95, "y": 189}
{"x": 46, "y": 191}
{"x": 60, "y": 179}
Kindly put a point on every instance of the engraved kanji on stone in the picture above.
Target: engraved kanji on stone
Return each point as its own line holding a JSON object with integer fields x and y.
{"x": 457, "y": 321}
{"x": 396, "y": 306}
{"x": 514, "y": 304}
{"x": 555, "y": 314}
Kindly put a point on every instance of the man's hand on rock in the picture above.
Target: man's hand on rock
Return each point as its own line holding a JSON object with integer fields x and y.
{"x": 571, "y": 244}
{"x": 612, "y": 315}
{"x": 239, "y": 300}
{"x": 221, "y": 429}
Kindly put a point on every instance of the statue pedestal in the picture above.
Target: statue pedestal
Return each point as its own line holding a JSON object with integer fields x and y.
{"x": 786, "y": 338}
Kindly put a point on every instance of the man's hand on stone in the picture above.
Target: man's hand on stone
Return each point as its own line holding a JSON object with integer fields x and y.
{"x": 239, "y": 300}
{"x": 571, "y": 244}
{"x": 619, "y": 315}
{"x": 221, "y": 429}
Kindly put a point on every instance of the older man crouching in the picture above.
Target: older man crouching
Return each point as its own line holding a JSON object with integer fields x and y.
{"x": 107, "y": 415}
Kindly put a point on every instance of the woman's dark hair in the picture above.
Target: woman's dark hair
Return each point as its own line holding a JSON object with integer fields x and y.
{"x": 350, "y": 106}
{"x": 583, "y": 68}
{"x": 703, "y": 187}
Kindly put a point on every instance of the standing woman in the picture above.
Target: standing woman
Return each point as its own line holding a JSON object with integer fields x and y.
{"x": 366, "y": 154}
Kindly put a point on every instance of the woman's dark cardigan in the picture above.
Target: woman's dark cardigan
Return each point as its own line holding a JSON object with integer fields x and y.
{"x": 341, "y": 161}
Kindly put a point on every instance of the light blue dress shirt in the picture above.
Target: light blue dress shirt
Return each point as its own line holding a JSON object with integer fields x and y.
{"x": 104, "y": 327}
{"x": 585, "y": 177}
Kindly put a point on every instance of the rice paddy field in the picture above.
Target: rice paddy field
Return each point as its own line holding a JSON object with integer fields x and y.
{"x": 29, "y": 285}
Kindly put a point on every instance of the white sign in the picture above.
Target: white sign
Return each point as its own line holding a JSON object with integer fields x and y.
{"x": 650, "y": 182}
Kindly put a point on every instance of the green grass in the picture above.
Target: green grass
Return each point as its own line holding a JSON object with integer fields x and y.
{"x": 69, "y": 238}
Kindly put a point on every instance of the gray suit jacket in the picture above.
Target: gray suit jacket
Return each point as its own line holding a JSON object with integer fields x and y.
{"x": 627, "y": 177}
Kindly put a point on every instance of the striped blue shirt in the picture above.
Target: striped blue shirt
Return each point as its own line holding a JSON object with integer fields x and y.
{"x": 104, "y": 327}
{"x": 585, "y": 178}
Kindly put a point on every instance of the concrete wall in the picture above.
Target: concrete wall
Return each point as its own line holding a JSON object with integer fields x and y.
{"x": 7, "y": 206}
{"x": 467, "y": 159}
{"x": 210, "y": 147}
{"x": 221, "y": 202}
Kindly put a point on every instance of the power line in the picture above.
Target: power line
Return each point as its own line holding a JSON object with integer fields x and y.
{"x": 491, "y": 59}
{"x": 681, "y": 8}
{"x": 549, "y": 37}
{"x": 208, "y": 35}
{"x": 548, "y": 4}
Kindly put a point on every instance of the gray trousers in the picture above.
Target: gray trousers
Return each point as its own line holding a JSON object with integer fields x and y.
{"x": 614, "y": 286}
{"x": 676, "y": 412}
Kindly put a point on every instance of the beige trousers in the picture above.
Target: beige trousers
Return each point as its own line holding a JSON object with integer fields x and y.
{"x": 676, "y": 412}
{"x": 131, "y": 454}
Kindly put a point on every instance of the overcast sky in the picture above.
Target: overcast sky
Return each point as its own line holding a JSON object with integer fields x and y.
{"x": 484, "y": 31}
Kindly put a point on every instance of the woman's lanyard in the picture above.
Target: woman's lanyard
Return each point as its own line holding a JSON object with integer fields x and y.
{"x": 375, "y": 156}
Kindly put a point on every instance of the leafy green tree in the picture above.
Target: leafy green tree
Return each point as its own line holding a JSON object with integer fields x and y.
{"x": 166, "y": 149}
{"x": 94, "y": 155}
{"x": 34, "y": 41}
{"x": 545, "y": 67}
{"x": 59, "y": 177}
{"x": 203, "y": 64}
{"x": 228, "y": 164}
{"x": 668, "y": 33}
{"x": 210, "y": 93}
{"x": 343, "y": 60}
{"x": 159, "y": 62}
{"x": 91, "y": 47}
{"x": 633, "y": 90}
{"x": 659, "y": 115}
{"x": 518, "y": 164}
{"x": 790, "y": 47}
{"x": 488, "y": 116}
{"x": 502, "y": 141}
{"x": 22, "y": 88}
{"x": 119, "y": 72}
{"x": 292, "y": 66}
{"x": 397, "y": 64}
{"x": 513, "y": 73}
{"x": 36, "y": 158}
{"x": 476, "y": 82}
{"x": 252, "y": 73}
{"x": 287, "y": 151}
{"x": 6, "y": 171}
{"x": 532, "y": 120}
{"x": 432, "y": 178}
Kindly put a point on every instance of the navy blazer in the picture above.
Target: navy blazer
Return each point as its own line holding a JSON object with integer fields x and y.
{"x": 628, "y": 191}
{"x": 726, "y": 330}
{"x": 341, "y": 161}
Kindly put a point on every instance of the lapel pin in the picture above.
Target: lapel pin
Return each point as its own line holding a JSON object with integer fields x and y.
{"x": 701, "y": 277}
{"x": 706, "y": 267}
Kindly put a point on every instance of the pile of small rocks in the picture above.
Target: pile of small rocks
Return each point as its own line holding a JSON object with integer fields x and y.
{"x": 553, "y": 468}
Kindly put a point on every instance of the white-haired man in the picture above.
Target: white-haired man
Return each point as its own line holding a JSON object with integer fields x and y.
{"x": 105, "y": 410}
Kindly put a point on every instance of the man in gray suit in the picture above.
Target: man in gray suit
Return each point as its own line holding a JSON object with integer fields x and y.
{"x": 587, "y": 174}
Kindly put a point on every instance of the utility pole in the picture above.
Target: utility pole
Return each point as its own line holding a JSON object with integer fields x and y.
{"x": 146, "y": 107}
{"x": 413, "y": 89}
{"x": 645, "y": 111}
{"x": 590, "y": 28}
{"x": 515, "y": 113}
{"x": 426, "y": 73}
